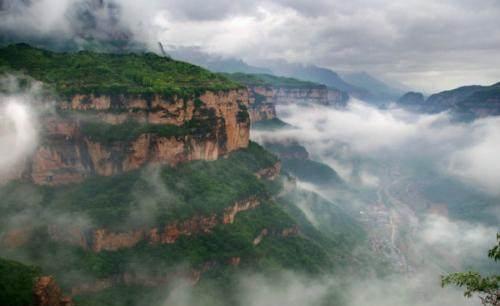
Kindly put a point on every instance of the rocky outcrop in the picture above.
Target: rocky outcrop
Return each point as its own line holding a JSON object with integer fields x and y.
{"x": 270, "y": 173}
{"x": 231, "y": 212}
{"x": 290, "y": 95}
{"x": 263, "y": 99}
{"x": 208, "y": 127}
{"x": 285, "y": 232}
{"x": 103, "y": 239}
{"x": 262, "y": 111}
{"x": 337, "y": 98}
{"x": 47, "y": 293}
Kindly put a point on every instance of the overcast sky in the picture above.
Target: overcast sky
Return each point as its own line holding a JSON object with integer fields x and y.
{"x": 427, "y": 44}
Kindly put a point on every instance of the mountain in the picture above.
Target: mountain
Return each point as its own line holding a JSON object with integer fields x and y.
{"x": 144, "y": 177}
{"x": 466, "y": 102}
{"x": 314, "y": 74}
{"x": 411, "y": 98}
{"x": 213, "y": 62}
{"x": 377, "y": 88}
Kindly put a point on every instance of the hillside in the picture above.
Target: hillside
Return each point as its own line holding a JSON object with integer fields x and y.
{"x": 130, "y": 192}
{"x": 100, "y": 73}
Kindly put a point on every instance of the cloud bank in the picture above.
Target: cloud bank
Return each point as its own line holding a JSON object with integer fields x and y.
{"x": 466, "y": 151}
{"x": 426, "y": 44}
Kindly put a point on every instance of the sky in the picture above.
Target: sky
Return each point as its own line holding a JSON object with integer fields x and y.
{"x": 425, "y": 44}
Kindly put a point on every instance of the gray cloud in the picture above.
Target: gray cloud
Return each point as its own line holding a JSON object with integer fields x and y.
{"x": 431, "y": 45}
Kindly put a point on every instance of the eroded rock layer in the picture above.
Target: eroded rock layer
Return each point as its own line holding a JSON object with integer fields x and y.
{"x": 137, "y": 131}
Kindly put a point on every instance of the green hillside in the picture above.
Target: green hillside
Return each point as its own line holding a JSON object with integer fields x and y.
{"x": 156, "y": 197}
{"x": 271, "y": 81}
{"x": 16, "y": 283}
{"x": 101, "y": 73}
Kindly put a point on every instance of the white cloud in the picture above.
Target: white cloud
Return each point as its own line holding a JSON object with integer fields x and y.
{"x": 468, "y": 151}
{"x": 18, "y": 136}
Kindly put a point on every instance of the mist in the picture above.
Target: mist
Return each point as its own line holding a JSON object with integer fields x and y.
{"x": 18, "y": 125}
{"x": 408, "y": 178}
{"x": 465, "y": 151}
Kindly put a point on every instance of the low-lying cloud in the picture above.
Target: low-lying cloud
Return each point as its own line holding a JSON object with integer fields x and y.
{"x": 465, "y": 150}
{"x": 18, "y": 134}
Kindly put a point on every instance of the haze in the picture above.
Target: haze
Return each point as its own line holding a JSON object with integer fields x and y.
{"x": 427, "y": 45}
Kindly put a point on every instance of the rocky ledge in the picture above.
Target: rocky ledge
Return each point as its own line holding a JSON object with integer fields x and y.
{"x": 107, "y": 135}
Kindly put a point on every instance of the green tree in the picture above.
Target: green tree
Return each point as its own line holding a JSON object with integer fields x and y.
{"x": 487, "y": 288}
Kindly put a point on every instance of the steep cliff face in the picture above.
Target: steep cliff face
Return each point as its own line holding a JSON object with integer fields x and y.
{"x": 102, "y": 239}
{"x": 266, "y": 91}
{"x": 47, "y": 293}
{"x": 263, "y": 99}
{"x": 154, "y": 130}
{"x": 270, "y": 173}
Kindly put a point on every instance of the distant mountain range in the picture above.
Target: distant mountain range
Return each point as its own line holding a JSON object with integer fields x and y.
{"x": 214, "y": 62}
{"x": 360, "y": 85}
{"x": 378, "y": 89}
{"x": 467, "y": 101}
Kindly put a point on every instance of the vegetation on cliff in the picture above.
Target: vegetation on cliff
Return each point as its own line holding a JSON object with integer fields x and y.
{"x": 154, "y": 197}
{"x": 16, "y": 283}
{"x": 99, "y": 73}
{"x": 267, "y": 80}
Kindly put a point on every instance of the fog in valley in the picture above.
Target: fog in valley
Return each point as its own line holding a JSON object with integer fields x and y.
{"x": 423, "y": 185}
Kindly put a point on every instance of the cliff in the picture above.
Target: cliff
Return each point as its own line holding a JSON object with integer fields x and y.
{"x": 105, "y": 240}
{"x": 267, "y": 91}
{"x": 47, "y": 293}
{"x": 106, "y": 135}
{"x": 110, "y": 120}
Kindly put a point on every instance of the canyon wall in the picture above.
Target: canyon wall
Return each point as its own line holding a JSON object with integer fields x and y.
{"x": 263, "y": 99}
{"x": 167, "y": 131}
{"x": 102, "y": 239}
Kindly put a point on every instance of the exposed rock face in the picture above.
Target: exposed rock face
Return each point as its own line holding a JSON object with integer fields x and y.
{"x": 263, "y": 99}
{"x": 262, "y": 111}
{"x": 68, "y": 155}
{"x": 285, "y": 95}
{"x": 337, "y": 98}
{"x": 285, "y": 232}
{"x": 47, "y": 293}
{"x": 270, "y": 173}
{"x": 105, "y": 240}
{"x": 230, "y": 212}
